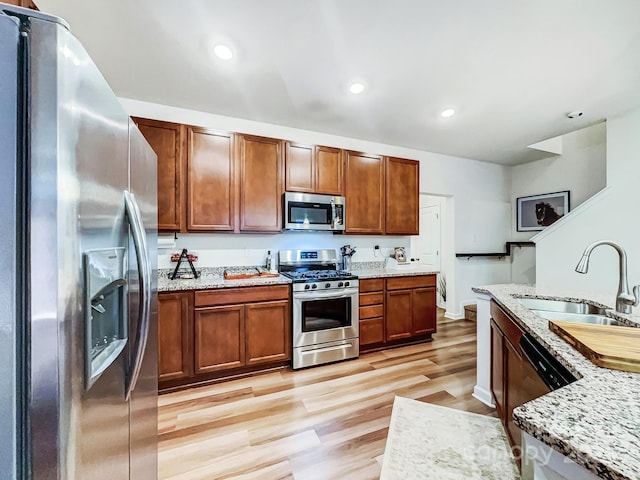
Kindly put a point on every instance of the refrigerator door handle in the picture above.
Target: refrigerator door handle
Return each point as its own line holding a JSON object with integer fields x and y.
{"x": 144, "y": 272}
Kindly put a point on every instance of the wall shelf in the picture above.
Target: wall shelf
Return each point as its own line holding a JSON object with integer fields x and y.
{"x": 506, "y": 253}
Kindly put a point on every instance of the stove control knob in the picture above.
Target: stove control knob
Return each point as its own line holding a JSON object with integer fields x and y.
{"x": 307, "y": 287}
{"x": 327, "y": 285}
{"x": 340, "y": 284}
{"x": 346, "y": 284}
{"x": 314, "y": 286}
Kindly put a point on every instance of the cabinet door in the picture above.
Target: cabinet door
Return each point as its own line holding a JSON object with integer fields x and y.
{"x": 398, "y": 314}
{"x": 210, "y": 181}
{"x": 364, "y": 193}
{"x": 497, "y": 368}
{"x": 268, "y": 332}
{"x": 300, "y": 171}
{"x": 328, "y": 170}
{"x": 402, "y": 196}
{"x": 175, "y": 357}
{"x": 219, "y": 338}
{"x": 371, "y": 331}
{"x": 261, "y": 171}
{"x": 513, "y": 389}
{"x": 167, "y": 141}
{"x": 423, "y": 310}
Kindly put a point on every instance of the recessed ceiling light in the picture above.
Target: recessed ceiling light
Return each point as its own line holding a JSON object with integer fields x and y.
{"x": 223, "y": 52}
{"x": 449, "y": 112}
{"x": 356, "y": 87}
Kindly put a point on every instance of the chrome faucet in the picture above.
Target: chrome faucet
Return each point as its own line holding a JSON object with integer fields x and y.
{"x": 624, "y": 299}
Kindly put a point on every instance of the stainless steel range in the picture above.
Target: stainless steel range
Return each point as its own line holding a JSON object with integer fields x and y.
{"x": 325, "y": 307}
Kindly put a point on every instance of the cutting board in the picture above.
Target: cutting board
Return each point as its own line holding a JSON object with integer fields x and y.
{"x": 606, "y": 346}
{"x": 248, "y": 274}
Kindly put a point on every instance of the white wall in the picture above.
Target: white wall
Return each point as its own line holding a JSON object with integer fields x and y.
{"x": 612, "y": 215}
{"x": 479, "y": 203}
{"x": 579, "y": 169}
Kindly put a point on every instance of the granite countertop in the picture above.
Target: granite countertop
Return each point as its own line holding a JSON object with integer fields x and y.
{"x": 365, "y": 270}
{"x": 594, "y": 421}
{"x": 211, "y": 278}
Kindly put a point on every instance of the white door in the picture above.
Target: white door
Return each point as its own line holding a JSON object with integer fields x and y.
{"x": 429, "y": 238}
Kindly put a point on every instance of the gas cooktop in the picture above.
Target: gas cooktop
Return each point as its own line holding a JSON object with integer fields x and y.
{"x": 318, "y": 275}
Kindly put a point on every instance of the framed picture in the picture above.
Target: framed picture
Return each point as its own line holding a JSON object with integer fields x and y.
{"x": 539, "y": 211}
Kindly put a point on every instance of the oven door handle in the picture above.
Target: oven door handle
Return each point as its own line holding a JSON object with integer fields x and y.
{"x": 325, "y": 295}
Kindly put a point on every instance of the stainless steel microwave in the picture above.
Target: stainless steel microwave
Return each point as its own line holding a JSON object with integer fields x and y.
{"x": 306, "y": 211}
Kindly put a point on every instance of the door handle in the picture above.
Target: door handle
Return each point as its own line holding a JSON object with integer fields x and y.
{"x": 144, "y": 305}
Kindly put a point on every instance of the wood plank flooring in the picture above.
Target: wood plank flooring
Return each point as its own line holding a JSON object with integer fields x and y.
{"x": 327, "y": 422}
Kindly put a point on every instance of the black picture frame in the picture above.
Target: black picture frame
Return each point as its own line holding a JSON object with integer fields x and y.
{"x": 537, "y": 212}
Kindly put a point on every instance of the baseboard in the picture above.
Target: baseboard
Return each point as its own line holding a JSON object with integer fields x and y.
{"x": 484, "y": 396}
{"x": 453, "y": 316}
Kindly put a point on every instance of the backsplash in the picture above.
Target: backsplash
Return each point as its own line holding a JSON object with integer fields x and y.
{"x": 222, "y": 250}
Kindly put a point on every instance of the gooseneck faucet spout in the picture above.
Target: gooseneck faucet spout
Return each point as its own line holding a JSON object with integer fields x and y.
{"x": 624, "y": 299}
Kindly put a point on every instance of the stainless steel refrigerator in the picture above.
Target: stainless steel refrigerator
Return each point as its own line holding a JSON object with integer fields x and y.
{"x": 78, "y": 250}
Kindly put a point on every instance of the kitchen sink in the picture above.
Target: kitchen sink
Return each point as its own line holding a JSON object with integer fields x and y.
{"x": 561, "y": 306}
{"x": 590, "y": 318}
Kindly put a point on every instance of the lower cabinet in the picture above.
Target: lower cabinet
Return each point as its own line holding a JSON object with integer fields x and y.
{"x": 371, "y": 326}
{"x": 175, "y": 336}
{"x": 513, "y": 379}
{"x": 410, "y": 307}
{"x": 397, "y": 310}
{"x": 219, "y": 338}
{"x": 216, "y": 333}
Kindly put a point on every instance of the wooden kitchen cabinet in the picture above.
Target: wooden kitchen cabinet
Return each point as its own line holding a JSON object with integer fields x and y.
{"x": 168, "y": 142}
{"x": 365, "y": 193}
{"x": 261, "y": 170}
{"x": 268, "y": 332}
{"x": 210, "y": 181}
{"x": 313, "y": 169}
{"x": 219, "y": 338}
{"x": 410, "y": 307}
{"x": 175, "y": 335}
{"x": 513, "y": 379}
{"x": 402, "y": 193}
{"x": 242, "y": 327}
{"x": 22, "y": 3}
{"x": 371, "y": 299}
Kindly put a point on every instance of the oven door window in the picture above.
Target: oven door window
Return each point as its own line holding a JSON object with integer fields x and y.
{"x": 303, "y": 213}
{"x": 326, "y": 314}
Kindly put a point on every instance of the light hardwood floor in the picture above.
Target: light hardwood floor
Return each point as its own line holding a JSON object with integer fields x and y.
{"x": 327, "y": 422}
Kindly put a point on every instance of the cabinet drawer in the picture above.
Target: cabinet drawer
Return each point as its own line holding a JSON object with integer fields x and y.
{"x": 508, "y": 327}
{"x": 371, "y": 298}
{"x": 371, "y": 331}
{"x": 371, "y": 285}
{"x": 400, "y": 283}
{"x": 371, "y": 311}
{"x": 227, "y": 296}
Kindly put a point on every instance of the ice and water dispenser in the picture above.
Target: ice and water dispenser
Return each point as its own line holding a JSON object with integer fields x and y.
{"x": 105, "y": 310}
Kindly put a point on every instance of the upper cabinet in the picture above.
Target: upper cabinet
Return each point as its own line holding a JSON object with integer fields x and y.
{"x": 364, "y": 192}
{"x": 210, "y": 181}
{"x": 167, "y": 141}
{"x": 22, "y": 3}
{"x": 261, "y": 168}
{"x": 402, "y": 196}
{"x": 313, "y": 169}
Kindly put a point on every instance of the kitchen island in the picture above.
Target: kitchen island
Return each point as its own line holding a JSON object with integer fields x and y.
{"x": 594, "y": 421}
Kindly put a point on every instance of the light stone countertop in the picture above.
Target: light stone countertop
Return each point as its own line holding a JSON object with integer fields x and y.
{"x": 594, "y": 421}
{"x": 212, "y": 278}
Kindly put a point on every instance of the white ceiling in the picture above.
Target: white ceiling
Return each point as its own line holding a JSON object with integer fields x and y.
{"x": 512, "y": 69}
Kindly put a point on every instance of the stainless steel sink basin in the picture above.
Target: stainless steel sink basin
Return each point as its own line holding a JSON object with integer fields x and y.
{"x": 560, "y": 306}
{"x": 589, "y": 318}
